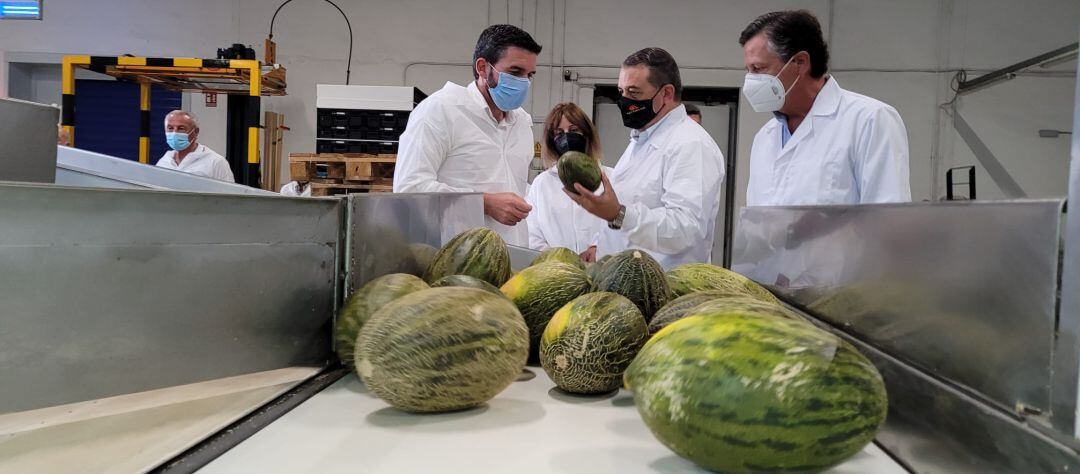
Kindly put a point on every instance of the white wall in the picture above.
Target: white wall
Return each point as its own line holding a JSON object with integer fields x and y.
{"x": 899, "y": 52}
{"x": 193, "y": 28}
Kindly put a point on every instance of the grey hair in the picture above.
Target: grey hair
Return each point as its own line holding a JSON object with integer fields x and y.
{"x": 177, "y": 112}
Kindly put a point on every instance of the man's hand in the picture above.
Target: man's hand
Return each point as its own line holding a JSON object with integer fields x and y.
{"x": 605, "y": 206}
{"x": 589, "y": 255}
{"x": 506, "y": 208}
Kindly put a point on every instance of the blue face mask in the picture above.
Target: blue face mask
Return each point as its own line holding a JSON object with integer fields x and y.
{"x": 510, "y": 93}
{"x": 177, "y": 141}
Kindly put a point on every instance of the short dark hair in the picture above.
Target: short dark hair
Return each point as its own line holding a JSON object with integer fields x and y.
{"x": 790, "y": 31}
{"x": 662, "y": 68}
{"x": 496, "y": 38}
{"x": 692, "y": 109}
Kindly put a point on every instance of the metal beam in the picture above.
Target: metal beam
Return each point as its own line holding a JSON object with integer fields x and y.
{"x": 990, "y": 162}
{"x": 1008, "y": 72}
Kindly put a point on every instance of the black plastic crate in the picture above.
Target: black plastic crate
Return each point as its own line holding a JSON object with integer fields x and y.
{"x": 386, "y": 148}
{"x": 388, "y": 134}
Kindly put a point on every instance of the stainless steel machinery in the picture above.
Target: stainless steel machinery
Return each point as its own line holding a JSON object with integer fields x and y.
{"x": 147, "y": 328}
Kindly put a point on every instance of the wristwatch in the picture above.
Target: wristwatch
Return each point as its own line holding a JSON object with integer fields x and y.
{"x": 616, "y": 223}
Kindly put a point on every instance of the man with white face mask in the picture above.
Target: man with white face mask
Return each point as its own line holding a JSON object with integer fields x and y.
{"x": 827, "y": 145}
{"x": 477, "y": 138}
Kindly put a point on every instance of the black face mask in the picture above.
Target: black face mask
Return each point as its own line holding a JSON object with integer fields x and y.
{"x": 570, "y": 141}
{"x": 637, "y": 113}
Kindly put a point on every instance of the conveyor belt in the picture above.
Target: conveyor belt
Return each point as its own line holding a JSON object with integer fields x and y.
{"x": 529, "y": 428}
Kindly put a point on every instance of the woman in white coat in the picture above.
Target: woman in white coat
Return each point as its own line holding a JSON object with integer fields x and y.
{"x": 556, "y": 221}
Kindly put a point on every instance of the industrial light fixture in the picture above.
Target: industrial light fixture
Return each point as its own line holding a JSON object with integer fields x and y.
{"x": 1048, "y": 133}
{"x": 20, "y": 10}
{"x": 1045, "y": 60}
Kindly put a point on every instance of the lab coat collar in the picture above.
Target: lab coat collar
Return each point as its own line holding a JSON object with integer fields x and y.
{"x": 675, "y": 116}
{"x": 196, "y": 154}
{"x": 827, "y": 101}
{"x": 478, "y": 98}
{"x": 825, "y": 104}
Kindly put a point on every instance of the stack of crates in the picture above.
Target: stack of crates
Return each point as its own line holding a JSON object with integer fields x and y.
{"x": 363, "y": 119}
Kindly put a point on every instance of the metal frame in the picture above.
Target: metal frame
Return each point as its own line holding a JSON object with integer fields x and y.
{"x": 225, "y": 76}
{"x": 1065, "y": 389}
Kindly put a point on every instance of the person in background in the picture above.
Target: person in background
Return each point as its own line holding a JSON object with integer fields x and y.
{"x": 296, "y": 188}
{"x": 187, "y": 155}
{"x": 826, "y": 145}
{"x": 693, "y": 112}
{"x": 63, "y": 138}
{"x": 476, "y": 138}
{"x": 664, "y": 193}
{"x": 555, "y": 220}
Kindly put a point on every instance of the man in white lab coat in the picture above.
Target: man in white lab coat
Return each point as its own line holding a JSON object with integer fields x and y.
{"x": 477, "y": 138}
{"x": 826, "y": 145}
{"x": 664, "y": 193}
{"x": 187, "y": 154}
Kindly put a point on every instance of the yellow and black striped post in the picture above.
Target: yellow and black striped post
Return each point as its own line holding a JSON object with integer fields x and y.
{"x": 67, "y": 99}
{"x": 251, "y": 119}
{"x": 144, "y": 122}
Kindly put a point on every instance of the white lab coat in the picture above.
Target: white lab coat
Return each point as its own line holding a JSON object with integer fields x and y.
{"x": 292, "y": 188}
{"x": 850, "y": 149}
{"x": 669, "y": 179}
{"x": 453, "y": 144}
{"x": 556, "y": 221}
{"x": 202, "y": 162}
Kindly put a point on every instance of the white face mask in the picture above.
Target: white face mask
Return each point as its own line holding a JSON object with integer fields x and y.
{"x": 765, "y": 92}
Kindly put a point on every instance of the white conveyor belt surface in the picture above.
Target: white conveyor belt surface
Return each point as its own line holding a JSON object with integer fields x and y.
{"x": 529, "y": 428}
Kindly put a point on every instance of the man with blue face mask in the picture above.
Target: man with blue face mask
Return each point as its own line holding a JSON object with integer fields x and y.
{"x": 826, "y": 145}
{"x": 476, "y": 138}
{"x": 186, "y": 154}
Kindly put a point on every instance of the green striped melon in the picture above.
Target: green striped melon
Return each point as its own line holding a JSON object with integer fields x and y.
{"x": 466, "y": 281}
{"x": 590, "y": 341}
{"x": 559, "y": 254}
{"x": 362, "y": 303}
{"x": 637, "y": 276}
{"x": 539, "y": 291}
{"x": 478, "y": 252}
{"x": 442, "y": 349}
{"x": 422, "y": 254}
{"x": 694, "y": 277}
{"x": 710, "y": 301}
{"x": 594, "y": 268}
{"x": 747, "y": 393}
{"x": 577, "y": 167}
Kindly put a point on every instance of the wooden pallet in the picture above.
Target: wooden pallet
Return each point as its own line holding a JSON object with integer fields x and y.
{"x": 342, "y": 168}
{"x": 330, "y": 188}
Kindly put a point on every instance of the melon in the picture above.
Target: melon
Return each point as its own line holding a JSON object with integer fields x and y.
{"x": 559, "y": 254}
{"x": 593, "y": 269}
{"x": 577, "y": 167}
{"x": 422, "y": 255}
{"x": 442, "y": 349}
{"x": 694, "y": 277}
{"x": 466, "y": 281}
{"x": 637, "y": 276}
{"x": 750, "y": 393}
{"x": 478, "y": 252}
{"x": 719, "y": 301}
{"x": 539, "y": 291}
{"x": 360, "y": 305}
{"x": 589, "y": 342}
